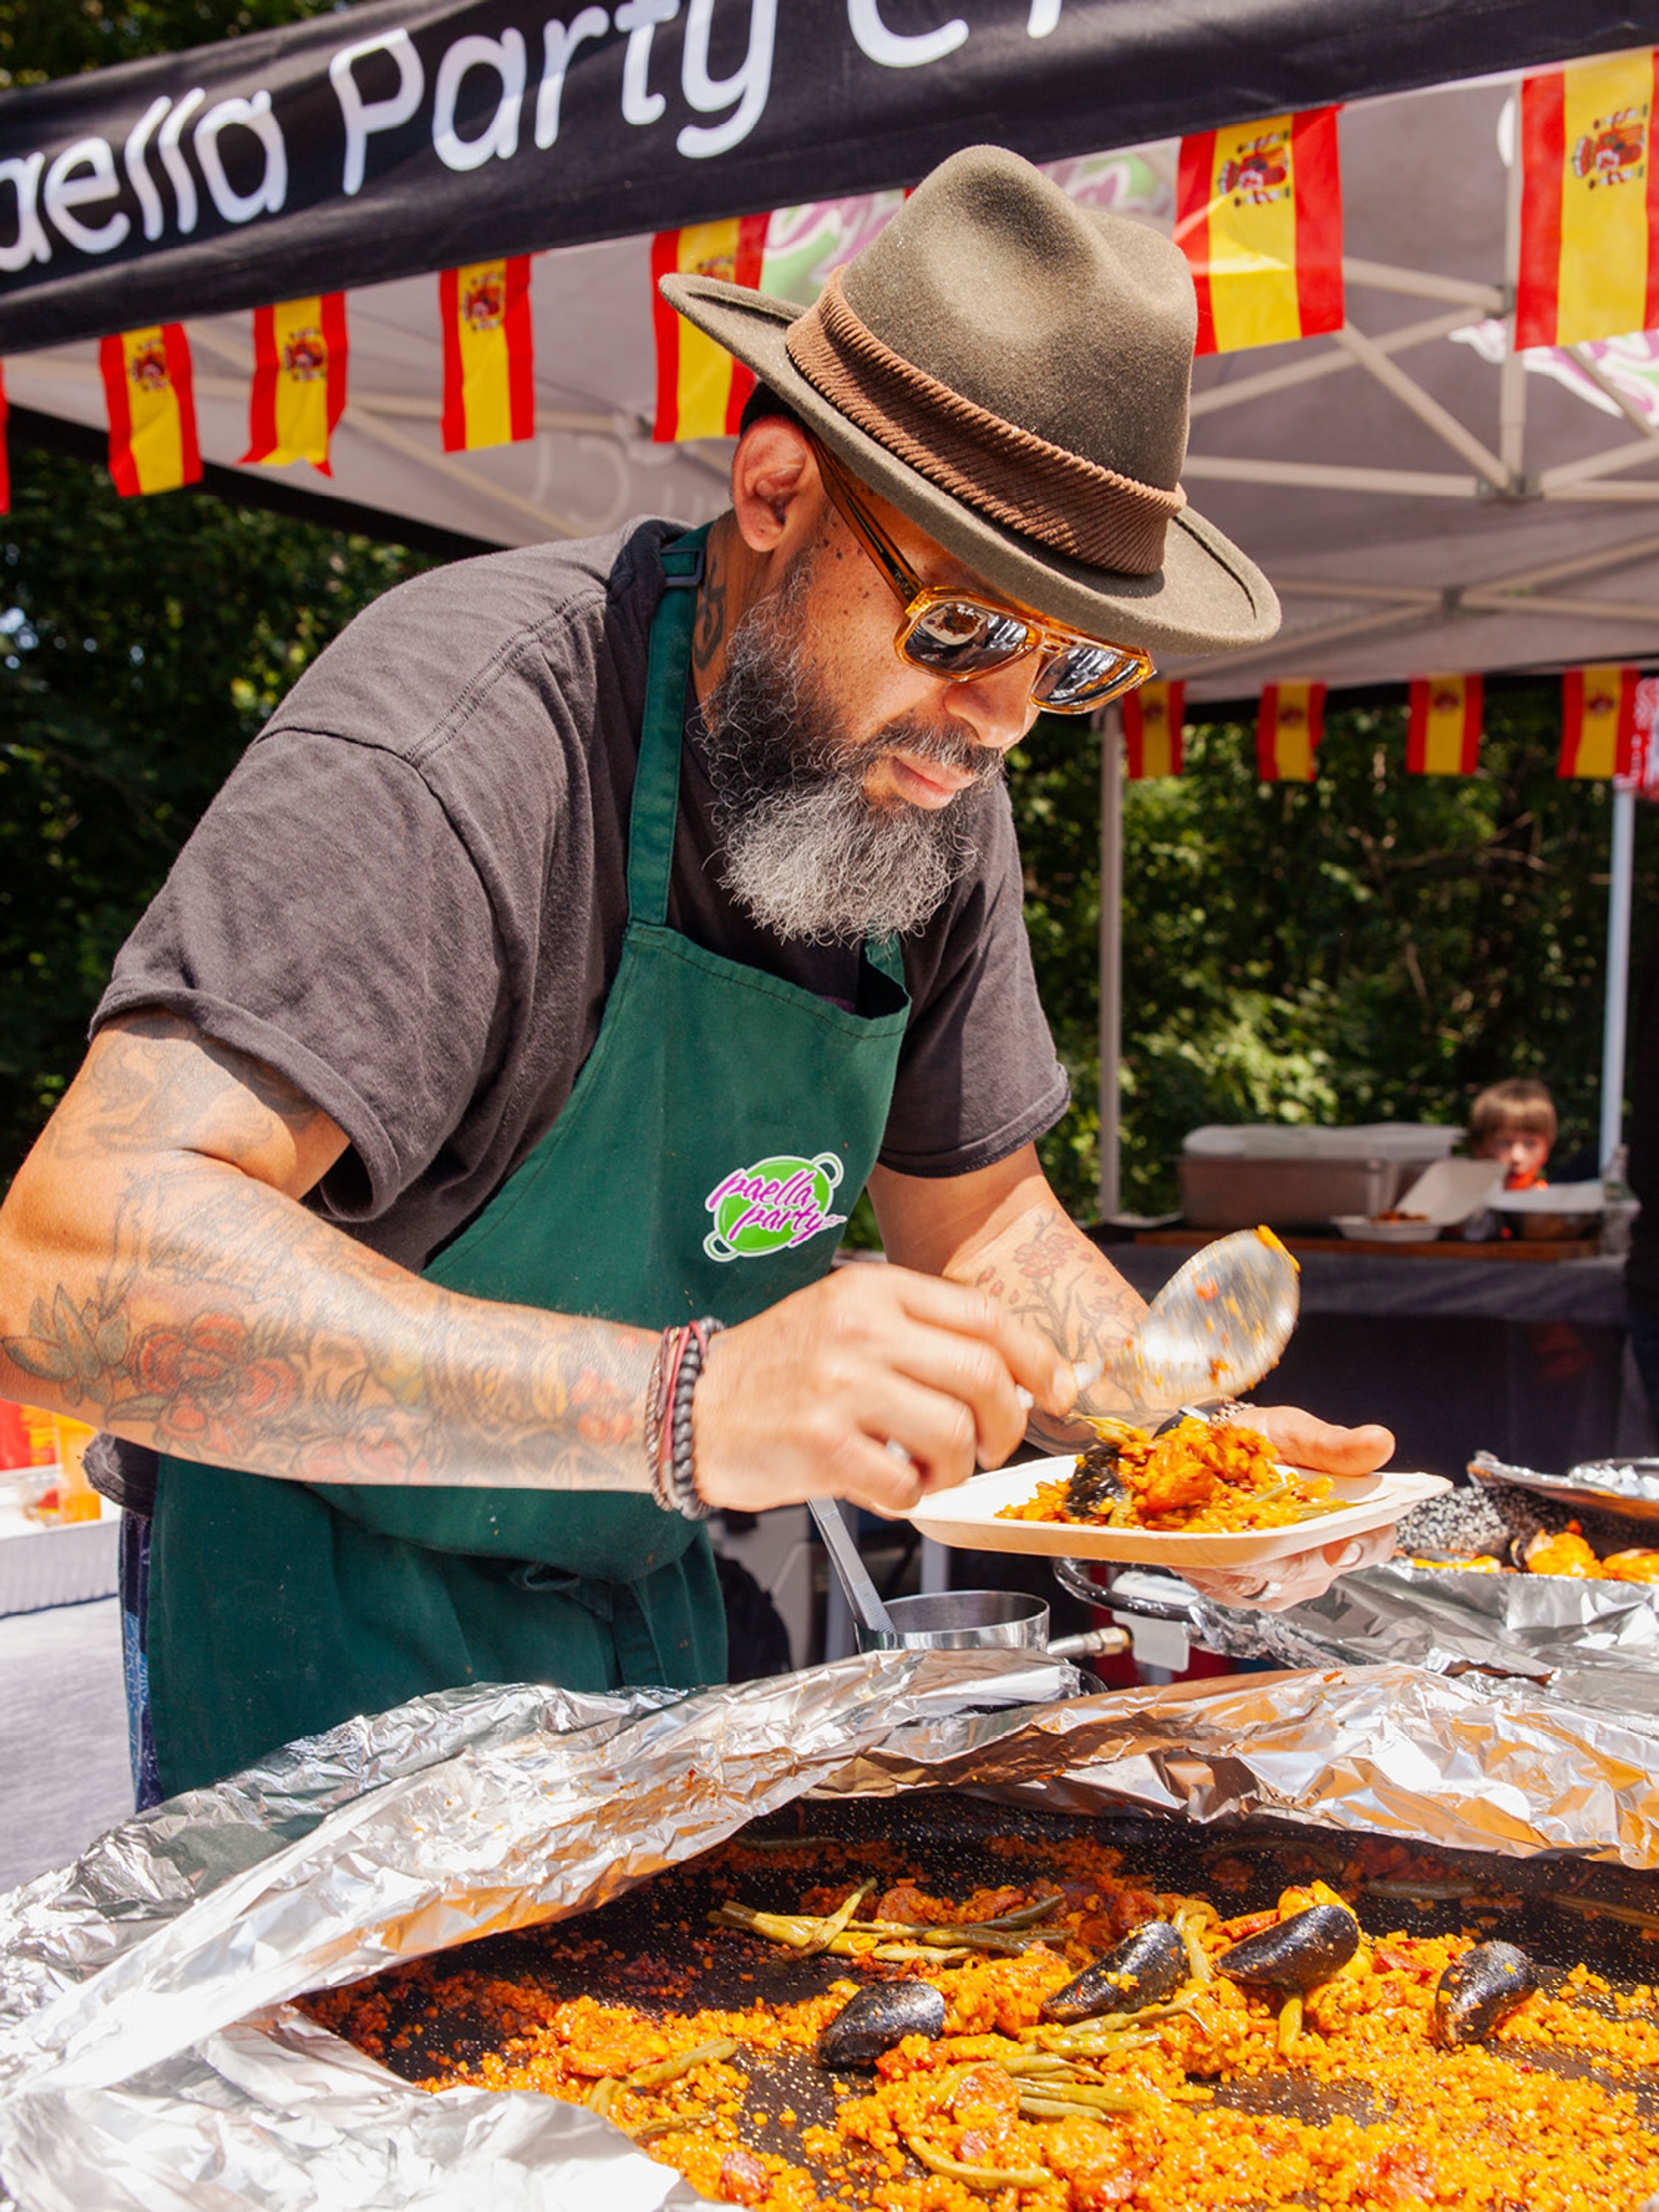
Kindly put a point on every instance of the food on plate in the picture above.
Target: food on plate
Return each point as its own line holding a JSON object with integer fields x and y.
{"x": 1197, "y": 1477}
{"x": 1394, "y": 1215}
{"x": 877, "y": 2033}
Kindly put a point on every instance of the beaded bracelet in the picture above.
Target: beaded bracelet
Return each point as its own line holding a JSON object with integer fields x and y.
{"x": 668, "y": 1440}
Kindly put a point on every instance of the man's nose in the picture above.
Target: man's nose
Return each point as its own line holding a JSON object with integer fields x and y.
{"x": 997, "y": 706}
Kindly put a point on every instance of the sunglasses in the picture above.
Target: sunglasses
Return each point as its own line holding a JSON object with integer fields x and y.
{"x": 959, "y": 636}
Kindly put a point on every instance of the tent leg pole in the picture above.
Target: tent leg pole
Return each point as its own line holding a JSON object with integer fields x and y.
{"x": 1621, "y": 871}
{"x": 1111, "y": 954}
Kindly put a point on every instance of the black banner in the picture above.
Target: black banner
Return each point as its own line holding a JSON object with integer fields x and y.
{"x": 402, "y": 135}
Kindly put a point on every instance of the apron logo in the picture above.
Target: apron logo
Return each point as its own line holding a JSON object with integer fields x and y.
{"x": 772, "y": 1206}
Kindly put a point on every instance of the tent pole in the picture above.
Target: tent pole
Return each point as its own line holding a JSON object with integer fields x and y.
{"x": 1111, "y": 954}
{"x": 1620, "y": 872}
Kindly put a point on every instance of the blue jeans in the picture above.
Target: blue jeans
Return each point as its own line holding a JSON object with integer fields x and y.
{"x": 135, "y": 1666}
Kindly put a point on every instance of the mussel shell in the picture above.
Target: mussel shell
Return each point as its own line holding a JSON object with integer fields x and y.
{"x": 1140, "y": 1971}
{"x": 1307, "y": 1948}
{"x": 1095, "y": 1484}
{"x": 877, "y": 2018}
{"x": 1479, "y": 1991}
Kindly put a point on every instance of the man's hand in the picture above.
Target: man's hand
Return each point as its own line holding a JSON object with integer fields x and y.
{"x": 1303, "y": 1441}
{"x": 876, "y": 1385}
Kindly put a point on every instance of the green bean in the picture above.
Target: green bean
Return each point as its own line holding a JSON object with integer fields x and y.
{"x": 985, "y": 2178}
{"x": 651, "y": 2129}
{"x": 670, "y": 2070}
{"x": 602, "y": 2095}
{"x": 832, "y": 1927}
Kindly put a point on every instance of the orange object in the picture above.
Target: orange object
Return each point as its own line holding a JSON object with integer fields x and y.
{"x": 1566, "y": 1553}
{"x": 1598, "y": 721}
{"x": 1442, "y": 734}
{"x": 1589, "y": 208}
{"x": 1151, "y": 729}
{"x": 1258, "y": 216}
{"x": 76, "y": 1498}
{"x": 1289, "y": 725}
{"x": 700, "y": 389}
{"x": 152, "y": 411}
{"x": 299, "y": 381}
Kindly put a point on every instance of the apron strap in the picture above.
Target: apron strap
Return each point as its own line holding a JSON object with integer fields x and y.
{"x": 657, "y": 783}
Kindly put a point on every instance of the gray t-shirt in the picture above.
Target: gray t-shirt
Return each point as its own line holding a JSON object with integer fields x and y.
{"x": 410, "y": 896}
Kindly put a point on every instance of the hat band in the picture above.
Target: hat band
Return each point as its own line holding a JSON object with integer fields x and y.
{"x": 1011, "y": 475}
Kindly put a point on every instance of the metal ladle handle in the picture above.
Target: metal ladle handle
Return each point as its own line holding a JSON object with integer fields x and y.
{"x": 854, "y": 1577}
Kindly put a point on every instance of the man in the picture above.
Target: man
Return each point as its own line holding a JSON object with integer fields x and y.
{"x": 584, "y": 930}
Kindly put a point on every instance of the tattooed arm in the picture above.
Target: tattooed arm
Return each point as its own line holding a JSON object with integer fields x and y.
{"x": 160, "y": 1277}
{"x": 1003, "y": 1230}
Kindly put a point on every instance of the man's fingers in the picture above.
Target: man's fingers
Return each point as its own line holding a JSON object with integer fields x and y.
{"x": 1034, "y": 1363}
{"x": 1306, "y": 1441}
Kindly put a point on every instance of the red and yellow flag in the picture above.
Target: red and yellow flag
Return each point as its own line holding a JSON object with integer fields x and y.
{"x": 1288, "y": 728}
{"x": 1259, "y": 213}
{"x": 152, "y": 412}
{"x": 1598, "y": 721}
{"x": 1442, "y": 731}
{"x": 1589, "y": 206}
{"x": 1152, "y": 729}
{"x": 701, "y": 390}
{"x": 490, "y": 354}
{"x": 299, "y": 381}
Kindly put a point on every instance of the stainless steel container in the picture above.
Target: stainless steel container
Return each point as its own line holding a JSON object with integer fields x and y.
{"x": 1238, "y": 1193}
{"x": 962, "y": 1620}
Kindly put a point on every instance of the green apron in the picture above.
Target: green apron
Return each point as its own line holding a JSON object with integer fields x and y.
{"x": 713, "y": 1141}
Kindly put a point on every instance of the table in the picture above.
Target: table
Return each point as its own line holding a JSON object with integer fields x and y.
{"x": 1457, "y": 1353}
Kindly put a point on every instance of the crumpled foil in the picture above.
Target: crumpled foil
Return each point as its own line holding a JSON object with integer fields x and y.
{"x": 1628, "y": 1486}
{"x": 150, "y": 2057}
{"x": 1592, "y": 1644}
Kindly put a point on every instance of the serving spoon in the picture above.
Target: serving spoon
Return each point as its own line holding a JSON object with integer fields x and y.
{"x": 1218, "y": 1325}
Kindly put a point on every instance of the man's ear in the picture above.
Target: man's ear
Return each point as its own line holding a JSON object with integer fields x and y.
{"x": 775, "y": 486}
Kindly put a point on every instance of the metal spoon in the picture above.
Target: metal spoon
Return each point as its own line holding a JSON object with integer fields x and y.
{"x": 1218, "y": 1326}
{"x": 854, "y": 1577}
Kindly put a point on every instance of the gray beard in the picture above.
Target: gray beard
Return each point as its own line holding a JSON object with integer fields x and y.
{"x": 802, "y": 848}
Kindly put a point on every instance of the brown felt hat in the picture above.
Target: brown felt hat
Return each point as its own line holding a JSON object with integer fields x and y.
{"x": 1011, "y": 370}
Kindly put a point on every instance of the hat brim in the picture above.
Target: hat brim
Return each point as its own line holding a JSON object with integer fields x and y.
{"x": 1207, "y": 597}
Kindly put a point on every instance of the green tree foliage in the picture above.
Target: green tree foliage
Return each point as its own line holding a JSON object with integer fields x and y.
{"x": 43, "y": 39}
{"x": 143, "y": 643}
{"x": 1373, "y": 946}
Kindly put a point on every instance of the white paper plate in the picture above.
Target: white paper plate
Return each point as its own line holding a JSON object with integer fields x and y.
{"x": 1360, "y": 1229}
{"x": 966, "y": 1518}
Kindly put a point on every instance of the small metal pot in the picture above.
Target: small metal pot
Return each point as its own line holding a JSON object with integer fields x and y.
{"x": 969, "y": 1621}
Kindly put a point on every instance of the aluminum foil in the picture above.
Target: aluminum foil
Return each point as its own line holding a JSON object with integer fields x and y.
{"x": 151, "y": 2059}
{"x": 1592, "y": 1644}
{"x": 1626, "y": 1487}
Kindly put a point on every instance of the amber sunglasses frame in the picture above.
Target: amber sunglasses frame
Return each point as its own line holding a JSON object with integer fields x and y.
{"x": 918, "y": 599}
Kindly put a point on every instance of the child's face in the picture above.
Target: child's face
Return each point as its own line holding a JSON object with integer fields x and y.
{"x": 1524, "y": 1151}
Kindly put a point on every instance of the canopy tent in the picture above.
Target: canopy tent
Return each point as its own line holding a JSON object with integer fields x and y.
{"x": 1422, "y": 499}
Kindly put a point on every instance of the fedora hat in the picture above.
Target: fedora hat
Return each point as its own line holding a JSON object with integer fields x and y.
{"x": 1011, "y": 371}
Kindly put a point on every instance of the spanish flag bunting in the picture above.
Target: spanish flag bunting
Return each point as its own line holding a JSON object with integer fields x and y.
{"x": 1598, "y": 721}
{"x": 1589, "y": 205}
{"x": 1442, "y": 729}
{"x": 1289, "y": 725}
{"x": 700, "y": 389}
{"x": 1152, "y": 729}
{"x": 152, "y": 412}
{"x": 5, "y": 465}
{"x": 299, "y": 381}
{"x": 1259, "y": 214}
{"x": 490, "y": 354}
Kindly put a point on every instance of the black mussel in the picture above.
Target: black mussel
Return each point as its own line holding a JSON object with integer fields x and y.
{"x": 1095, "y": 1486}
{"x": 877, "y": 2018}
{"x": 1140, "y": 1971}
{"x": 1479, "y": 1991}
{"x": 1306, "y": 1949}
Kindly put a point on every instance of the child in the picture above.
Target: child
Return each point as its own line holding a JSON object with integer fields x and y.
{"x": 1515, "y": 1122}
